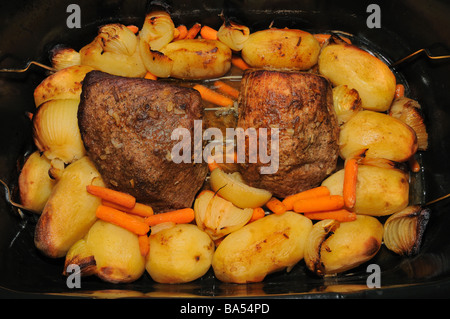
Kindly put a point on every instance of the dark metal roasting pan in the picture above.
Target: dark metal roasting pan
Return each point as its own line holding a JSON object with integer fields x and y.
{"x": 28, "y": 29}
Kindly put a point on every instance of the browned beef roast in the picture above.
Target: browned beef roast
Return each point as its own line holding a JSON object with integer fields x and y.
{"x": 126, "y": 126}
{"x": 300, "y": 106}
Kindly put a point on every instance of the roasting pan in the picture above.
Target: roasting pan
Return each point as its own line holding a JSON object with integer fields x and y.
{"x": 28, "y": 29}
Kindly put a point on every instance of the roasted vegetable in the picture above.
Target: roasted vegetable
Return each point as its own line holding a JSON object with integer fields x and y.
{"x": 379, "y": 191}
{"x": 217, "y": 216}
{"x": 35, "y": 184}
{"x": 281, "y": 49}
{"x": 108, "y": 251}
{"x": 233, "y": 35}
{"x": 56, "y": 132}
{"x": 334, "y": 247}
{"x": 64, "y": 84}
{"x": 179, "y": 254}
{"x": 63, "y": 57}
{"x": 377, "y": 135}
{"x": 115, "y": 50}
{"x": 195, "y": 59}
{"x": 158, "y": 30}
{"x": 346, "y": 103}
{"x": 69, "y": 211}
{"x": 403, "y": 231}
{"x": 233, "y": 188}
{"x": 345, "y": 64}
{"x": 269, "y": 244}
{"x": 409, "y": 111}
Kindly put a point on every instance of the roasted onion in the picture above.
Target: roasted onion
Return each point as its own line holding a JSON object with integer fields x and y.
{"x": 403, "y": 231}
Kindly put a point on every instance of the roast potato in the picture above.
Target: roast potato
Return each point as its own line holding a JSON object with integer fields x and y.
{"x": 108, "y": 251}
{"x": 334, "y": 247}
{"x": 233, "y": 188}
{"x": 281, "y": 48}
{"x": 195, "y": 59}
{"x": 345, "y": 64}
{"x": 379, "y": 191}
{"x": 179, "y": 254}
{"x": 56, "y": 132}
{"x": 377, "y": 135}
{"x": 35, "y": 184}
{"x": 266, "y": 245}
{"x": 64, "y": 84}
{"x": 69, "y": 211}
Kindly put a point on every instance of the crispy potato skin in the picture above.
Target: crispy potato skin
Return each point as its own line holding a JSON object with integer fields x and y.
{"x": 64, "y": 84}
{"x": 281, "y": 48}
{"x": 269, "y": 244}
{"x": 345, "y": 64}
{"x": 346, "y": 246}
{"x": 35, "y": 184}
{"x": 197, "y": 59}
{"x": 179, "y": 254}
{"x": 379, "y": 191}
{"x": 116, "y": 253}
{"x": 69, "y": 211}
{"x": 381, "y": 135}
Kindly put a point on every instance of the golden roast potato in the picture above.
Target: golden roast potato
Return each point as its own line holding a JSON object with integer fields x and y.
{"x": 281, "y": 48}
{"x": 377, "y": 135}
{"x": 195, "y": 59}
{"x": 179, "y": 254}
{"x": 35, "y": 184}
{"x": 269, "y": 244}
{"x": 69, "y": 211}
{"x": 108, "y": 251}
{"x": 64, "y": 84}
{"x": 345, "y": 64}
{"x": 380, "y": 191}
{"x": 334, "y": 247}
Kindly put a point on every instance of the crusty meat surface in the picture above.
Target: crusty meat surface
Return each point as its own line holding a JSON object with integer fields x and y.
{"x": 300, "y": 106}
{"x": 126, "y": 126}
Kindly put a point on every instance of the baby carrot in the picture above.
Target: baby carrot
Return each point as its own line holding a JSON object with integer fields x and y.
{"x": 227, "y": 89}
{"x": 193, "y": 31}
{"x": 180, "y": 216}
{"x": 258, "y": 213}
{"x": 212, "y": 96}
{"x": 181, "y": 32}
{"x": 399, "y": 91}
{"x": 144, "y": 245}
{"x": 150, "y": 76}
{"x": 120, "y": 198}
{"x": 133, "y": 28}
{"x": 341, "y": 215}
{"x": 239, "y": 63}
{"x": 138, "y": 209}
{"x": 318, "y": 204}
{"x": 276, "y": 206}
{"x": 122, "y": 219}
{"x": 310, "y": 193}
{"x": 208, "y": 33}
{"x": 212, "y": 165}
{"x": 350, "y": 179}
